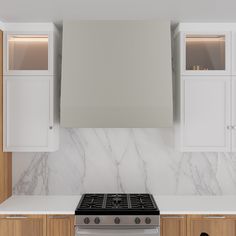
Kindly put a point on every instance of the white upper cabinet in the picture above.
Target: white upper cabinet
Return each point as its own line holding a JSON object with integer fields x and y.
{"x": 31, "y": 88}
{"x": 233, "y": 107}
{"x": 206, "y": 53}
{"x": 234, "y": 52}
{"x": 205, "y": 91}
{"x": 206, "y": 114}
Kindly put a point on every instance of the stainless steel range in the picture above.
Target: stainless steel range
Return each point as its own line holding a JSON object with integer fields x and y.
{"x": 117, "y": 214}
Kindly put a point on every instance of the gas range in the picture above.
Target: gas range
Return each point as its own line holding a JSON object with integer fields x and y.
{"x": 117, "y": 211}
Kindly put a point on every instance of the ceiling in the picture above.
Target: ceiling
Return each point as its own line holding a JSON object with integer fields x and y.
{"x": 175, "y": 10}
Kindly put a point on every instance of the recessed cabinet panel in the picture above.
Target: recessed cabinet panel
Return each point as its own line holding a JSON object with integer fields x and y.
{"x": 233, "y": 127}
{"x": 173, "y": 225}
{"x": 60, "y": 225}
{"x": 20, "y": 225}
{"x": 28, "y": 52}
{"x": 234, "y": 53}
{"x": 206, "y": 114}
{"x": 27, "y": 111}
{"x": 210, "y": 226}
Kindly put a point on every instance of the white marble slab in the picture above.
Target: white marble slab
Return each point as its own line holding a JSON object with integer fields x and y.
{"x": 122, "y": 160}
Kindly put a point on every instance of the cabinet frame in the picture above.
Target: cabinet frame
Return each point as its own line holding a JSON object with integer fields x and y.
{"x": 233, "y": 114}
{"x": 6, "y": 70}
{"x": 228, "y": 47}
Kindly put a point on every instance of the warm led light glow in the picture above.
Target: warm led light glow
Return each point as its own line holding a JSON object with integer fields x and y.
{"x": 209, "y": 39}
{"x": 28, "y": 39}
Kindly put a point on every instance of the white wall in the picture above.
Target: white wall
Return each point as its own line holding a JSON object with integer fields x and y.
{"x": 123, "y": 160}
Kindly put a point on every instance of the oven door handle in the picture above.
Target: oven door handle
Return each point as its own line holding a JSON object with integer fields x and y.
{"x": 116, "y": 232}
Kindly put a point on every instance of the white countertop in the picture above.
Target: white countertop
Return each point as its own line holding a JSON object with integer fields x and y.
{"x": 40, "y": 205}
{"x": 212, "y": 205}
{"x": 171, "y": 205}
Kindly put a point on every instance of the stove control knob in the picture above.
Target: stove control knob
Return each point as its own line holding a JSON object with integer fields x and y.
{"x": 96, "y": 220}
{"x": 137, "y": 220}
{"x": 117, "y": 220}
{"x": 148, "y": 220}
{"x": 86, "y": 220}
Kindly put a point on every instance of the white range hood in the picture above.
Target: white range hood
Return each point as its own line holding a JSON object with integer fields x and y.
{"x": 116, "y": 74}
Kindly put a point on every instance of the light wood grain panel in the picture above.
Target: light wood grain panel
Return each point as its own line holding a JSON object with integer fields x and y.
{"x": 1, "y": 52}
{"x": 5, "y": 158}
{"x": 218, "y": 225}
{"x": 23, "y": 225}
{"x": 60, "y": 225}
{"x": 172, "y": 225}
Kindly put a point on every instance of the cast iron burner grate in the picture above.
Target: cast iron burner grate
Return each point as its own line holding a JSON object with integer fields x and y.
{"x": 117, "y": 204}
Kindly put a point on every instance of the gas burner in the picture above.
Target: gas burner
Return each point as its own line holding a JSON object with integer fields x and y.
{"x": 117, "y": 203}
{"x": 117, "y": 211}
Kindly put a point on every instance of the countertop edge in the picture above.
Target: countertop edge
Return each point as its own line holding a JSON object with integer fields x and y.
{"x": 37, "y": 213}
{"x": 168, "y": 205}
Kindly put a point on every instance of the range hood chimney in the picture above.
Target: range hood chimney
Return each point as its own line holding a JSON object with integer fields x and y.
{"x": 116, "y": 74}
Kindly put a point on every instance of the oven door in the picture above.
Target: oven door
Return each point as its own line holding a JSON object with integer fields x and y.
{"x": 116, "y": 232}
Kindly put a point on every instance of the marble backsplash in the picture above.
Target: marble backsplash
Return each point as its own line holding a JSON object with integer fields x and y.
{"x": 123, "y": 160}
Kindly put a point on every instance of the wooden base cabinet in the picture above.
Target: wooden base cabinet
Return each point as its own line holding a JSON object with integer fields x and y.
{"x": 19, "y": 225}
{"x": 36, "y": 225}
{"x": 58, "y": 225}
{"x": 173, "y": 225}
{"x": 211, "y": 226}
{"x": 198, "y": 225}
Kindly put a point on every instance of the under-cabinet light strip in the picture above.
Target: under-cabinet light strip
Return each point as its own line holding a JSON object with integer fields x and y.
{"x": 28, "y": 39}
{"x": 220, "y": 39}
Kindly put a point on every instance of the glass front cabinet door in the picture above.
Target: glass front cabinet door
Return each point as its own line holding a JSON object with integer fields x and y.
{"x": 28, "y": 54}
{"x": 207, "y": 54}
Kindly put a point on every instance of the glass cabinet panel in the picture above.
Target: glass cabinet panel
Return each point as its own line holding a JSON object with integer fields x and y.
{"x": 205, "y": 52}
{"x": 28, "y": 52}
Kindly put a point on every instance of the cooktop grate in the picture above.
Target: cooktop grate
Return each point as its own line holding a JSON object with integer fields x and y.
{"x": 117, "y": 204}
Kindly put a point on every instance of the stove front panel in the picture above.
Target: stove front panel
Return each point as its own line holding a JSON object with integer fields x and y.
{"x": 117, "y": 221}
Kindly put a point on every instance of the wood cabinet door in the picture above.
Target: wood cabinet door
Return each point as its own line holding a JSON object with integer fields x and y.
{"x": 210, "y": 226}
{"x": 206, "y": 113}
{"x": 22, "y": 225}
{"x": 173, "y": 225}
{"x": 60, "y": 225}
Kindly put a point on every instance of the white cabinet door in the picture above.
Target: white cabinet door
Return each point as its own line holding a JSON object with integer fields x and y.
{"x": 206, "y": 113}
{"x": 233, "y": 53}
{"x": 27, "y": 113}
{"x": 233, "y": 109}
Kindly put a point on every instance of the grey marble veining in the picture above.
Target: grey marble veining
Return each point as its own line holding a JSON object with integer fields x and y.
{"x": 123, "y": 160}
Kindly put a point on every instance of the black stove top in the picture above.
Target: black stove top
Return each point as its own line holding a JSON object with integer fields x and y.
{"x": 117, "y": 204}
